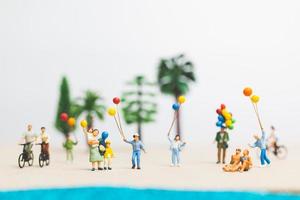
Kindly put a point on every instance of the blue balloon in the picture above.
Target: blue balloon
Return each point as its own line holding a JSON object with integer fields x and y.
{"x": 221, "y": 118}
{"x": 176, "y": 106}
{"x": 104, "y": 135}
{"x": 219, "y": 124}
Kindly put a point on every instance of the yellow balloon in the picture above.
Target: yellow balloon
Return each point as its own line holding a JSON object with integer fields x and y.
{"x": 181, "y": 99}
{"x": 83, "y": 123}
{"x": 225, "y": 112}
{"x": 255, "y": 99}
{"x": 112, "y": 111}
{"x": 71, "y": 121}
{"x": 228, "y": 116}
{"x": 228, "y": 123}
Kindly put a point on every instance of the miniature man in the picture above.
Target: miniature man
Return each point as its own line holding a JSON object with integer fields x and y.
{"x": 69, "y": 145}
{"x": 222, "y": 139}
{"x": 137, "y": 146}
{"x": 28, "y": 138}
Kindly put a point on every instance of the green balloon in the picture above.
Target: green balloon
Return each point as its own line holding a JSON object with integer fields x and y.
{"x": 233, "y": 121}
{"x": 231, "y": 127}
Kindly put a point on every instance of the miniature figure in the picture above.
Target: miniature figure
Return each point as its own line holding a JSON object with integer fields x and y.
{"x": 95, "y": 157}
{"x": 246, "y": 161}
{"x": 261, "y": 144}
{"x": 222, "y": 139}
{"x": 176, "y": 147}
{"x": 137, "y": 146}
{"x": 234, "y": 163}
{"x": 108, "y": 155}
{"x": 69, "y": 145}
{"x": 102, "y": 148}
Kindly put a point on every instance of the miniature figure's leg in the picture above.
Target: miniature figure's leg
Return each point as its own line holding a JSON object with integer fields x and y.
{"x": 224, "y": 154}
{"x": 133, "y": 158}
{"x": 173, "y": 157}
{"x": 94, "y": 165}
{"x": 219, "y": 154}
{"x": 266, "y": 157}
{"x": 109, "y": 161}
{"x": 67, "y": 154}
{"x": 262, "y": 159}
{"x": 138, "y": 159}
{"x": 177, "y": 157}
{"x": 105, "y": 162}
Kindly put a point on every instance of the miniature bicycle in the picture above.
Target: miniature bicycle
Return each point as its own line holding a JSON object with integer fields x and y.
{"x": 25, "y": 156}
{"x": 280, "y": 151}
{"x": 44, "y": 157}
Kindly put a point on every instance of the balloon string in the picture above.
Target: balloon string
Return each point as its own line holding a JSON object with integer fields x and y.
{"x": 118, "y": 127}
{"x": 257, "y": 114}
{"x": 172, "y": 124}
{"x": 119, "y": 118}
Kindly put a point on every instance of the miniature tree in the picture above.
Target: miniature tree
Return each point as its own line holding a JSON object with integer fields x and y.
{"x": 174, "y": 76}
{"x": 139, "y": 107}
{"x": 64, "y": 106}
{"x": 91, "y": 105}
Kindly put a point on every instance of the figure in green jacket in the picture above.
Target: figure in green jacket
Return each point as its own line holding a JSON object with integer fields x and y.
{"x": 69, "y": 145}
{"x": 222, "y": 139}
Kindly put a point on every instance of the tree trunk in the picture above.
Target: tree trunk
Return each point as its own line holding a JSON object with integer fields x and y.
{"x": 139, "y": 130}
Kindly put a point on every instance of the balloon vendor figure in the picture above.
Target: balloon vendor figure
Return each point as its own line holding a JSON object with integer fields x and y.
{"x": 137, "y": 147}
{"x": 261, "y": 141}
{"x": 176, "y": 143}
{"x": 225, "y": 121}
{"x": 108, "y": 155}
{"x": 69, "y": 146}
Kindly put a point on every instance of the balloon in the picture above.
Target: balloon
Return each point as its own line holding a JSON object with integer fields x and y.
{"x": 111, "y": 111}
{"x": 223, "y": 106}
{"x": 219, "y": 124}
{"x": 225, "y": 112}
{"x": 255, "y": 99}
{"x": 176, "y": 106}
{"x": 221, "y": 118}
{"x": 231, "y": 127}
{"x": 233, "y": 120}
{"x": 71, "y": 121}
{"x": 64, "y": 117}
{"x": 181, "y": 99}
{"x": 104, "y": 135}
{"x": 83, "y": 123}
{"x": 247, "y": 92}
{"x": 219, "y": 111}
{"x": 116, "y": 100}
{"x": 228, "y": 123}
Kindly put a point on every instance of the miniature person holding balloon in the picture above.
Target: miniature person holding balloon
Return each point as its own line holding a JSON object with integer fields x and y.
{"x": 222, "y": 139}
{"x": 95, "y": 157}
{"x": 137, "y": 147}
{"x": 69, "y": 146}
{"x": 176, "y": 147}
{"x": 102, "y": 147}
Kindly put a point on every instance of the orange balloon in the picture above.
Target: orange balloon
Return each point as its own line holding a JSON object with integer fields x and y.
{"x": 247, "y": 92}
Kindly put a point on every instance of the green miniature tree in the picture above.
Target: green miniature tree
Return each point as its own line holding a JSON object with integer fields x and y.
{"x": 91, "y": 105}
{"x": 64, "y": 106}
{"x": 139, "y": 107}
{"x": 174, "y": 76}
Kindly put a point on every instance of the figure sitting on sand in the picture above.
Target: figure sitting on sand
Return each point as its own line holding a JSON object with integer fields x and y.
{"x": 239, "y": 163}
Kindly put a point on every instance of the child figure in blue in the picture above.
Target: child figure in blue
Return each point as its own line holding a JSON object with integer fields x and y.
{"x": 102, "y": 147}
{"x": 137, "y": 147}
{"x": 176, "y": 147}
{"x": 261, "y": 143}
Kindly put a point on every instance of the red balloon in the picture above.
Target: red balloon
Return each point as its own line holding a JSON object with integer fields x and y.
{"x": 223, "y": 106}
{"x": 116, "y": 100}
{"x": 64, "y": 117}
{"x": 219, "y": 111}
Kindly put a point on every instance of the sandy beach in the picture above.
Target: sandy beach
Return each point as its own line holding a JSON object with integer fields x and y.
{"x": 198, "y": 172}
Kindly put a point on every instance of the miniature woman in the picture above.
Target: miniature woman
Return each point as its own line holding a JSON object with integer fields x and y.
{"x": 45, "y": 141}
{"x": 176, "y": 147}
{"x": 69, "y": 146}
{"x": 95, "y": 157}
{"x": 234, "y": 163}
{"x": 108, "y": 155}
{"x": 246, "y": 161}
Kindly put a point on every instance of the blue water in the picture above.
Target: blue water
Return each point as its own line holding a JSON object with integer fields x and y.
{"x": 110, "y": 193}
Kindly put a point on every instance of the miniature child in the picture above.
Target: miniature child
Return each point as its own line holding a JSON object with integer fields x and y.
{"x": 246, "y": 161}
{"x": 69, "y": 145}
{"x": 234, "y": 163}
{"x": 109, "y": 154}
{"x": 28, "y": 138}
{"x": 222, "y": 139}
{"x": 45, "y": 141}
{"x": 95, "y": 157}
{"x": 176, "y": 147}
{"x": 261, "y": 144}
{"x": 102, "y": 147}
{"x": 137, "y": 146}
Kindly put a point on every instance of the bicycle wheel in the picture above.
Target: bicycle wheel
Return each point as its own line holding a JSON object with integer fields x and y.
{"x": 282, "y": 152}
{"x": 21, "y": 161}
{"x": 30, "y": 160}
{"x": 41, "y": 160}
